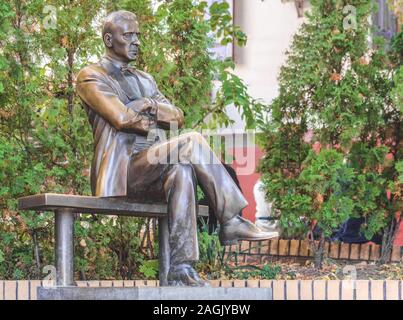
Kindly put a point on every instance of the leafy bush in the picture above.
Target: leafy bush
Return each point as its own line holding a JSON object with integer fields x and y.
{"x": 210, "y": 251}
{"x": 247, "y": 272}
{"x": 331, "y": 137}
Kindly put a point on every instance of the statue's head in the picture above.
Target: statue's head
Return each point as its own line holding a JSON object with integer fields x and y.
{"x": 120, "y": 34}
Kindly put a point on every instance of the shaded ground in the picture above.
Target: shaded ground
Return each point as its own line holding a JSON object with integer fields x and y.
{"x": 341, "y": 270}
{"x": 302, "y": 269}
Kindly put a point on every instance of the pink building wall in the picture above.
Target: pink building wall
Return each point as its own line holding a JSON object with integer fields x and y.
{"x": 247, "y": 182}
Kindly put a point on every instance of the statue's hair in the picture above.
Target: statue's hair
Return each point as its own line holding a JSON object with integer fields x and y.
{"x": 114, "y": 17}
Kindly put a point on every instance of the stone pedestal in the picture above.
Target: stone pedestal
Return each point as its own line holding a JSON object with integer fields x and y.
{"x": 158, "y": 293}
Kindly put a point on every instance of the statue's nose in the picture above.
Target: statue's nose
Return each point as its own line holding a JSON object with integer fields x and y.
{"x": 136, "y": 41}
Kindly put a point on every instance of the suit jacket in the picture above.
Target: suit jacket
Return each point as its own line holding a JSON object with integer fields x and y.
{"x": 119, "y": 131}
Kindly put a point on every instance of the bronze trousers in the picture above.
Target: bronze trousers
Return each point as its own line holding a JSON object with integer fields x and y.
{"x": 169, "y": 172}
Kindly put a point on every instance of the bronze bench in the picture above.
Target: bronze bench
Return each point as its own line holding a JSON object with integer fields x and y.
{"x": 65, "y": 206}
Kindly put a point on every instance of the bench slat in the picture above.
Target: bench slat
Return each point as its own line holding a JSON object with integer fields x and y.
{"x": 98, "y": 205}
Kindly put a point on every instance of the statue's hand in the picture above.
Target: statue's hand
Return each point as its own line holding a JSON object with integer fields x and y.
{"x": 142, "y": 105}
{"x": 139, "y": 124}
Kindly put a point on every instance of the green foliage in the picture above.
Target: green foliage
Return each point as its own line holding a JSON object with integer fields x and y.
{"x": 45, "y": 138}
{"x": 347, "y": 96}
{"x": 110, "y": 248}
{"x": 321, "y": 192}
{"x": 210, "y": 251}
{"x": 149, "y": 268}
{"x": 397, "y": 52}
{"x": 247, "y": 272}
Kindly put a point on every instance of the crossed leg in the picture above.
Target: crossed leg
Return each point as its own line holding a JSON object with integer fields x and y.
{"x": 169, "y": 172}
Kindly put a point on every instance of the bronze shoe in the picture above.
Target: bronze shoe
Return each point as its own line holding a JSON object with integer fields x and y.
{"x": 238, "y": 228}
{"x": 184, "y": 275}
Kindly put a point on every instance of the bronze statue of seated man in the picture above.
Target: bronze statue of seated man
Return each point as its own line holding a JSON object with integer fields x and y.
{"x": 123, "y": 104}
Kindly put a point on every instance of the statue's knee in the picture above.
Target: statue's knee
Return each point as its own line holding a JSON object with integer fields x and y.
{"x": 181, "y": 181}
{"x": 198, "y": 136}
{"x": 184, "y": 172}
{"x": 194, "y": 136}
{"x": 192, "y": 146}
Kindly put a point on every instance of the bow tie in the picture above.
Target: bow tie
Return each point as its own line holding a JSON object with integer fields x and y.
{"x": 126, "y": 70}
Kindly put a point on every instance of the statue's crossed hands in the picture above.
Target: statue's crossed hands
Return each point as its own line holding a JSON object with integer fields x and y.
{"x": 143, "y": 105}
{"x": 139, "y": 123}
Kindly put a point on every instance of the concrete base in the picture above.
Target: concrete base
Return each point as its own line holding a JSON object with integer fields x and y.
{"x": 158, "y": 293}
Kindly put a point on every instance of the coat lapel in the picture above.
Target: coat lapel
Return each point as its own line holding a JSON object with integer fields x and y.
{"x": 132, "y": 91}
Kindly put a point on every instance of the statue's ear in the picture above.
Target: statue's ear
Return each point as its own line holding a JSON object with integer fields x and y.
{"x": 108, "y": 40}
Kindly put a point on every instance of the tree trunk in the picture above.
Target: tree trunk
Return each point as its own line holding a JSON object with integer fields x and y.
{"x": 37, "y": 253}
{"x": 388, "y": 238}
{"x": 317, "y": 248}
{"x": 70, "y": 86}
{"x": 82, "y": 275}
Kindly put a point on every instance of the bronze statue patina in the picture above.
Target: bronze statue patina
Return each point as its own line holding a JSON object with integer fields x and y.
{"x": 123, "y": 105}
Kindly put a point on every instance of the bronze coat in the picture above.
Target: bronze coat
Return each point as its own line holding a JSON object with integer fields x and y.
{"x": 117, "y": 129}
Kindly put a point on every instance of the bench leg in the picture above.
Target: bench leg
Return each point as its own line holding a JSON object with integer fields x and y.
{"x": 64, "y": 247}
{"x": 164, "y": 251}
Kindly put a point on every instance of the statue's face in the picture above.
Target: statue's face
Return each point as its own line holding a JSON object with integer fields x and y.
{"x": 123, "y": 40}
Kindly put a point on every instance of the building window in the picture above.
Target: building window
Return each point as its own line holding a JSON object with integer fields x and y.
{"x": 385, "y": 22}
